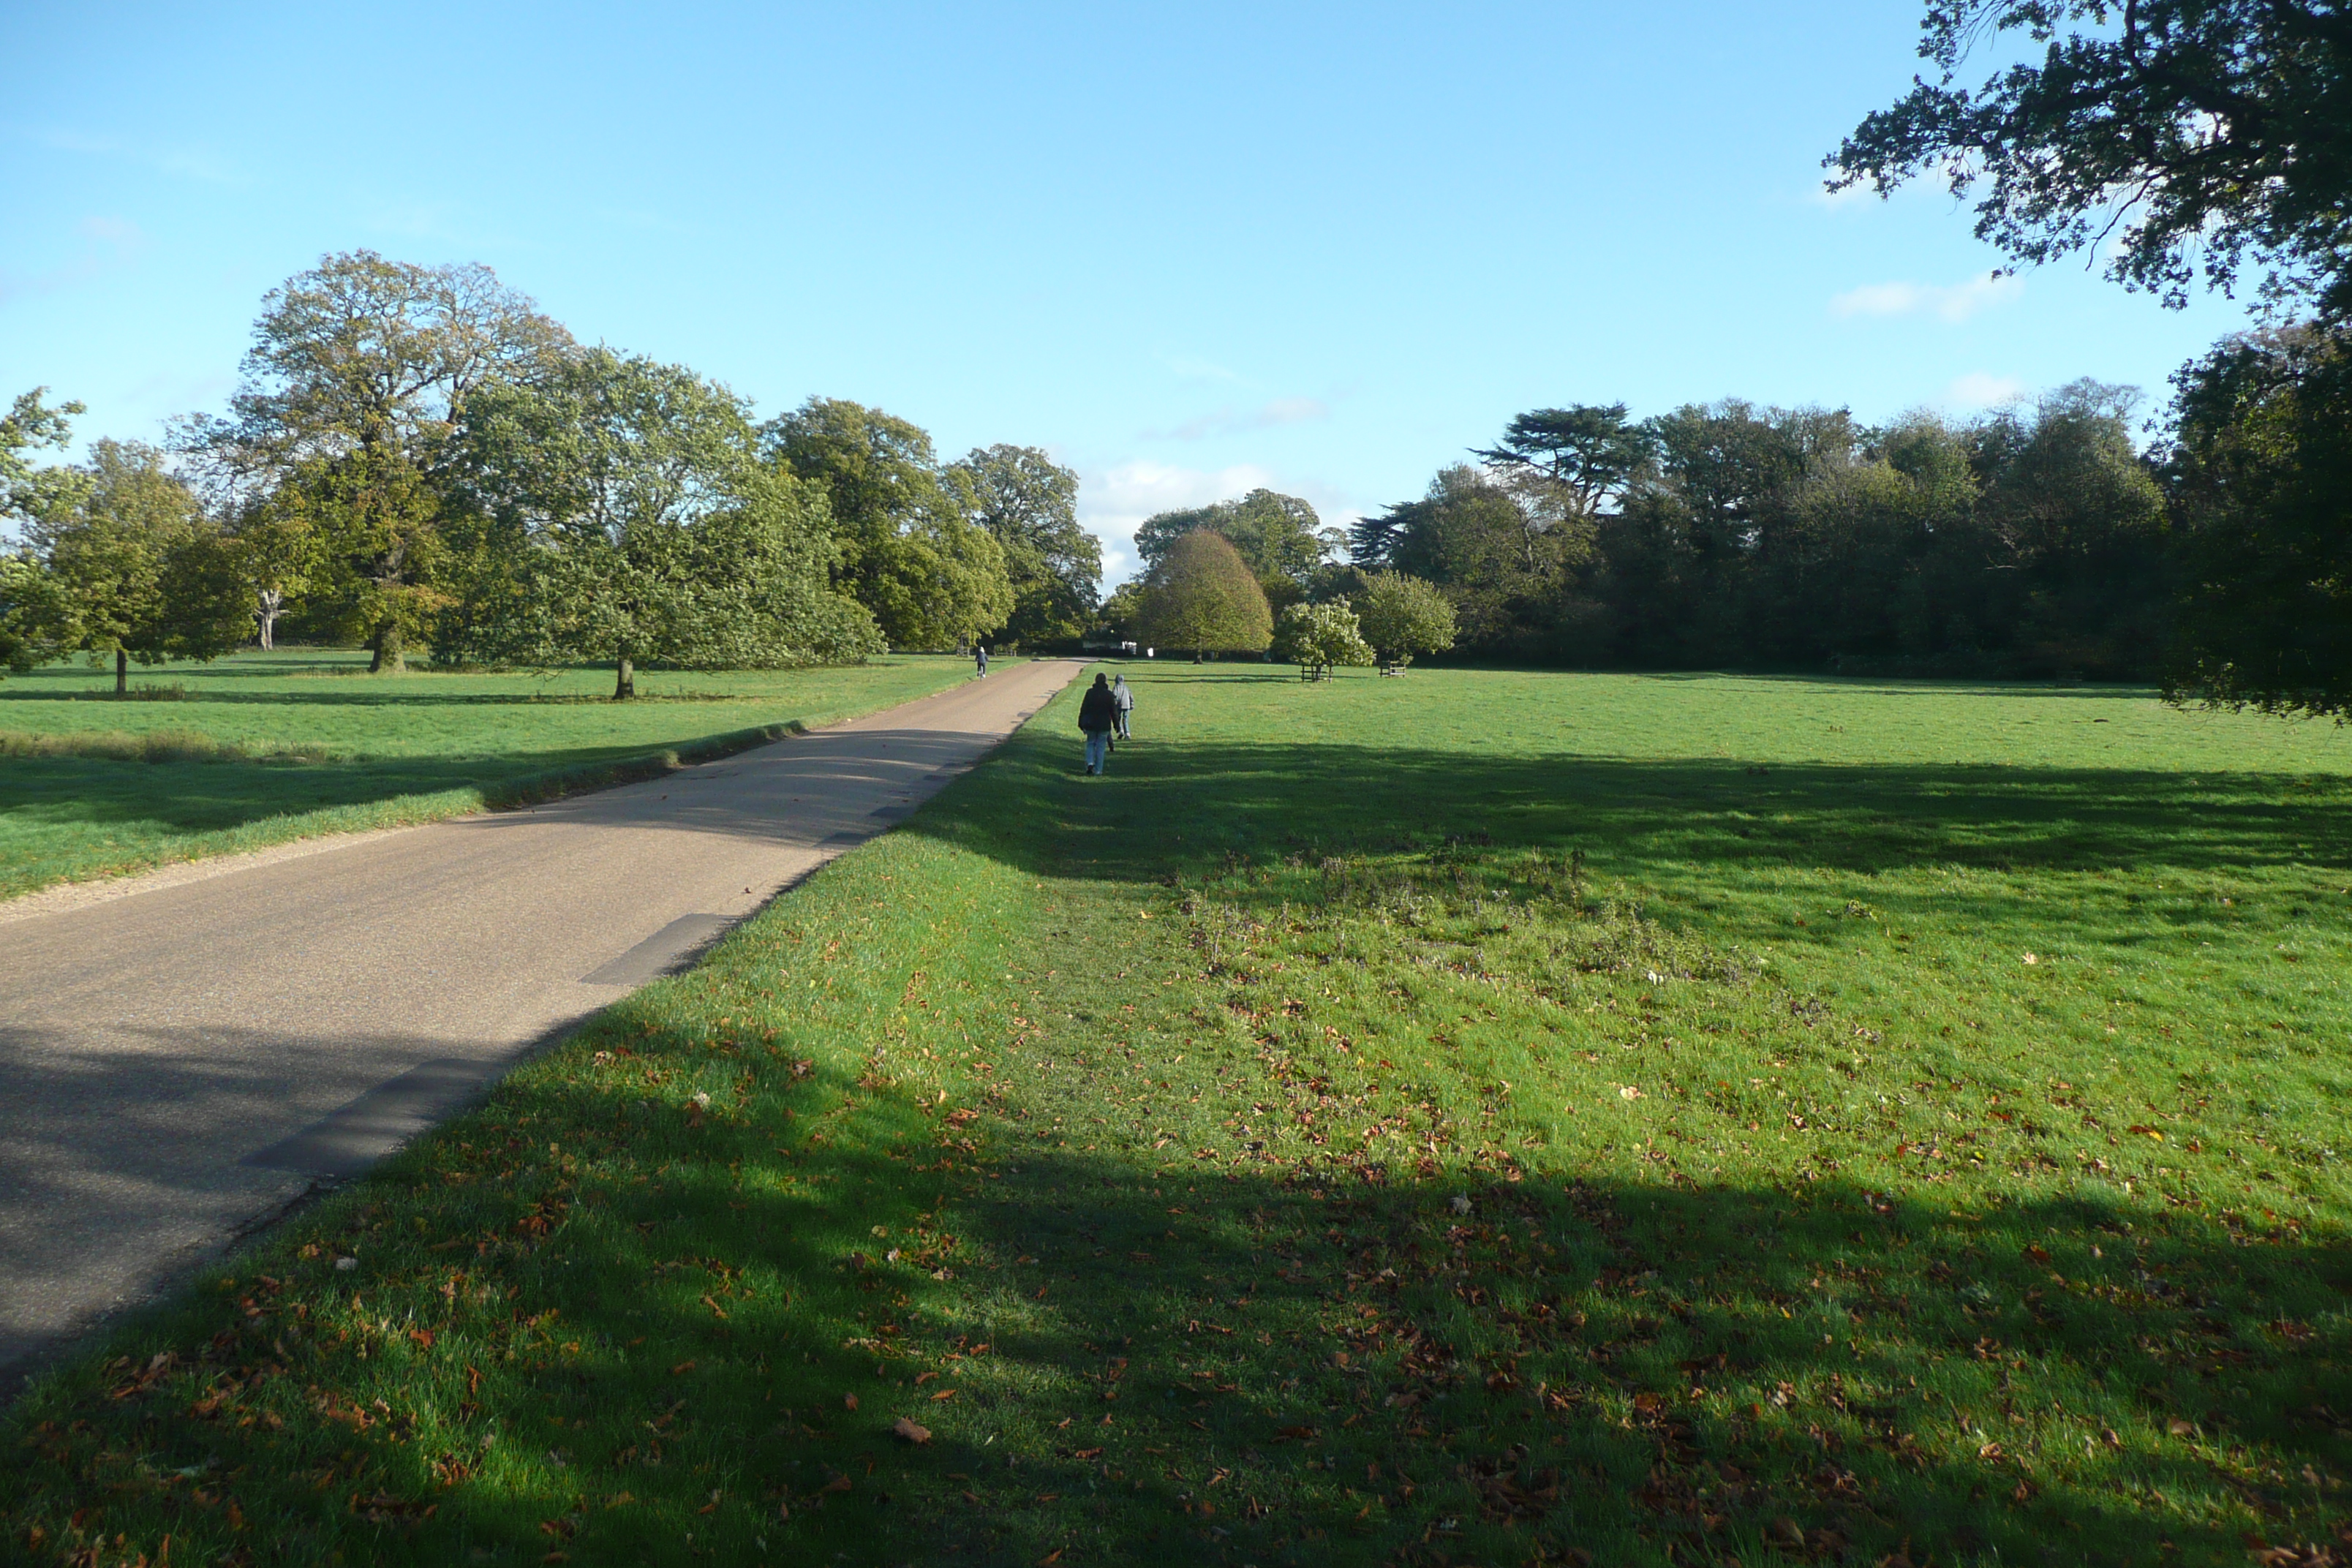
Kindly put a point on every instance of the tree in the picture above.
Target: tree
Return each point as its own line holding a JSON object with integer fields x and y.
{"x": 930, "y": 577}
{"x": 1028, "y": 504}
{"x": 359, "y": 374}
{"x": 643, "y": 525}
{"x": 2195, "y": 133}
{"x": 25, "y": 492}
{"x": 278, "y": 553}
{"x": 29, "y": 611}
{"x": 1589, "y": 452}
{"x": 1496, "y": 549}
{"x": 1280, "y": 536}
{"x": 1318, "y": 637}
{"x": 1402, "y": 616}
{"x": 1201, "y": 594}
{"x": 2261, "y": 475}
{"x": 134, "y": 569}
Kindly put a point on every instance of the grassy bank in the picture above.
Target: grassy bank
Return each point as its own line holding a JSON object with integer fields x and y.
{"x": 1471, "y": 1119}
{"x": 257, "y": 749}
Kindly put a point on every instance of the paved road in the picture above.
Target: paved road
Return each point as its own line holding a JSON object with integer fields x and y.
{"x": 180, "y": 1064}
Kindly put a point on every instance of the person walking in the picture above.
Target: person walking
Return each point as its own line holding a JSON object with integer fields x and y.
{"x": 1122, "y": 702}
{"x": 980, "y": 655}
{"x": 1097, "y": 716}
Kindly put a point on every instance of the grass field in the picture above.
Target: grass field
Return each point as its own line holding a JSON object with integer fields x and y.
{"x": 1474, "y": 1119}
{"x": 260, "y": 748}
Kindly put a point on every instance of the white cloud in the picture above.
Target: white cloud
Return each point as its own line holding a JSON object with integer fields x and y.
{"x": 1980, "y": 390}
{"x": 1228, "y": 420}
{"x": 1195, "y": 369}
{"x": 107, "y": 243}
{"x": 1114, "y": 501}
{"x": 185, "y": 163}
{"x": 1953, "y": 302}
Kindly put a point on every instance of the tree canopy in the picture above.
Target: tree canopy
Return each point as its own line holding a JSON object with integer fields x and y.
{"x": 928, "y": 573}
{"x": 1200, "y": 594}
{"x": 645, "y": 525}
{"x": 2262, "y": 476}
{"x": 356, "y": 382}
{"x": 1278, "y": 536}
{"x": 1403, "y": 617}
{"x": 2024, "y": 543}
{"x": 134, "y": 570}
{"x": 2192, "y": 134}
{"x": 1028, "y": 504}
{"x": 1320, "y": 635}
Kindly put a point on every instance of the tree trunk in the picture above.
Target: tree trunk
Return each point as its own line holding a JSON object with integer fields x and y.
{"x": 624, "y": 679}
{"x": 389, "y": 655}
{"x": 270, "y": 601}
{"x": 121, "y": 673}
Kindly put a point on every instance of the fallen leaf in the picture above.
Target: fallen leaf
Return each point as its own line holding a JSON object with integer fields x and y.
{"x": 911, "y": 1431}
{"x": 943, "y": 1393}
{"x": 682, "y": 1369}
{"x": 849, "y": 1402}
{"x": 2181, "y": 1428}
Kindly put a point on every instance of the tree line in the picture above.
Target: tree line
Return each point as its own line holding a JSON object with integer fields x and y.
{"x": 418, "y": 458}
{"x": 2192, "y": 140}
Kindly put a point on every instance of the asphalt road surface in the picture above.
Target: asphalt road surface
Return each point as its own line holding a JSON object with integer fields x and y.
{"x": 181, "y": 1062}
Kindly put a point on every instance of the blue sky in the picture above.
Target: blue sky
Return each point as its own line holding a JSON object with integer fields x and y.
{"x": 1188, "y": 250}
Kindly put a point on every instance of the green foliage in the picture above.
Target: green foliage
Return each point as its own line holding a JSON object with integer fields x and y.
{"x": 1590, "y": 453}
{"x": 629, "y": 503}
{"x": 134, "y": 569}
{"x": 930, "y": 574}
{"x": 1028, "y": 504}
{"x": 1280, "y": 536}
{"x": 2262, "y": 474}
{"x": 2197, "y": 133}
{"x": 1402, "y": 616}
{"x": 1200, "y": 594}
{"x": 1634, "y": 1123}
{"x": 27, "y": 492}
{"x": 358, "y": 376}
{"x": 1320, "y": 635}
{"x": 2028, "y": 543}
{"x": 29, "y": 610}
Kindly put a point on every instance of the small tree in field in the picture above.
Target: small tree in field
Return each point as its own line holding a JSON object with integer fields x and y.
{"x": 1404, "y": 616}
{"x": 1320, "y": 635}
{"x": 1204, "y": 596}
{"x": 133, "y": 568}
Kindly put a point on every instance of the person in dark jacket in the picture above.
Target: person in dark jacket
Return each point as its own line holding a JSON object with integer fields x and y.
{"x": 1097, "y": 716}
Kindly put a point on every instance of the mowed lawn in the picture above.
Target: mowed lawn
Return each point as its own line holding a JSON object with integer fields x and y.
{"x": 258, "y": 748}
{"x": 1481, "y": 1117}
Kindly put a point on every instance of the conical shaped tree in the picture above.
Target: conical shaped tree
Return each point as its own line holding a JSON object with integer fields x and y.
{"x": 1203, "y": 595}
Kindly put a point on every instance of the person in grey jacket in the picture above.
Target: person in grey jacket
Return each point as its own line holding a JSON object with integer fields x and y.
{"x": 1122, "y": 701}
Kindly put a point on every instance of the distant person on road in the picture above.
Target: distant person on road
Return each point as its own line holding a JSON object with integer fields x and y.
{"x": 1097, "y": 716}
{"x": 1123, "y": 702}
{"x": 981, "y": 656}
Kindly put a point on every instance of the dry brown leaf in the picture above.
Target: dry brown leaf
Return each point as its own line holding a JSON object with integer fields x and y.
{"x": 912, "y": 1432}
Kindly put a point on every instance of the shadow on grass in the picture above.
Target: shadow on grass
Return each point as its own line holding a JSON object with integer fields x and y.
{"x": 1209, "y": 801}
{"x": 1203, "y": 1366}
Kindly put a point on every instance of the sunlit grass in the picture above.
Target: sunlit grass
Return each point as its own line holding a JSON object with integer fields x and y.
{"x": 257, "y": 749}
{"x": 1373, "y": 1124}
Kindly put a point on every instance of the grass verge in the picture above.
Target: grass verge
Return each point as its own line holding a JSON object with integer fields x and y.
{"x": 1392, "y": 1143}
{"x": 260, "y": 749}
